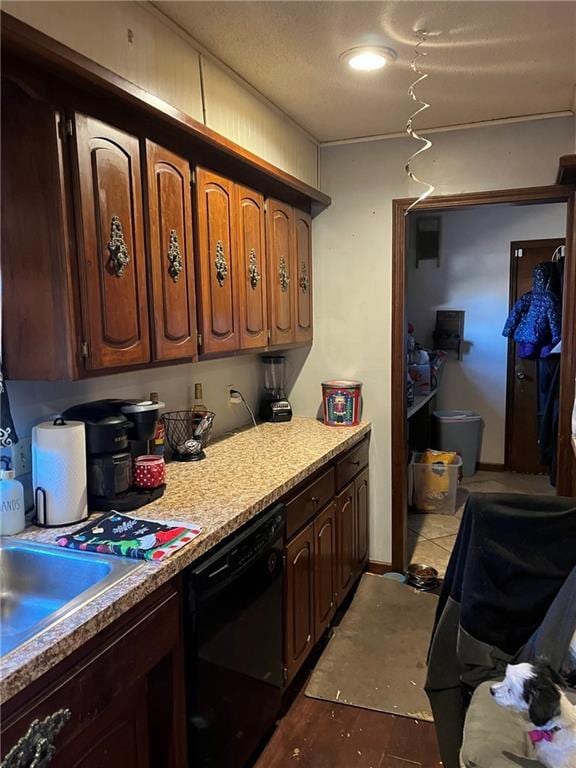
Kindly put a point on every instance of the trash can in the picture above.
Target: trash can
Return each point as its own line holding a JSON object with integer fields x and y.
{"x": 460, "y": 431}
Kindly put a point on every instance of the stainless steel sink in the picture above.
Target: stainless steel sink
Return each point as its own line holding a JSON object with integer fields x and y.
{"x": 40, "y": 584}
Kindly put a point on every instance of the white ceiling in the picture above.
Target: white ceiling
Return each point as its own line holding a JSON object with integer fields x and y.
{"x": 488, "y": 60}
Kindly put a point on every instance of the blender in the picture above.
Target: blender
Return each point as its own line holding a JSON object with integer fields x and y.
{"x": 274, "y": 405}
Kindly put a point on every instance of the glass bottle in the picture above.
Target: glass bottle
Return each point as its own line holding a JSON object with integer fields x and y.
{"x": 198, "y": 406}
{"x": 156, "y": 446}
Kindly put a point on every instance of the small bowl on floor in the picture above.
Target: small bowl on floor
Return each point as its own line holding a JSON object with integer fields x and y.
{"x": 421, "y": 576}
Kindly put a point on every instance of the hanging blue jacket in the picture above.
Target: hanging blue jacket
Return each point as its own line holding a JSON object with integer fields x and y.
{"x": 535, "y": 321}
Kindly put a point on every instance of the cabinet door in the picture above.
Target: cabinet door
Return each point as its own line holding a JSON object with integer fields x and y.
{"x": 299, "y": 619}
{"x": 124, "y": 690}
{"x": 112, "y": 260}
{"x": 117, "y": 737}
{"x": 346, "y": 540}
{"x": 171, "y": 254}
{"x": 281, "y": 277}
{"x": 216, "y": 244}
{"x": 251, "y": 270}
{"x": 361, "y": 487}
{"x": 303, "y": 276}
{"x": 324, "y": 569}
{"x": 38, "y": 295}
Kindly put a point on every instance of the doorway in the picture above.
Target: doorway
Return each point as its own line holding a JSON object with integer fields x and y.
{"x": 566, "y": 458}
{"x": 529, "y": 379}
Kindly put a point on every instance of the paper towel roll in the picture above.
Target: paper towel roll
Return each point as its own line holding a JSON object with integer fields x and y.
{"x": 59, "y": 472}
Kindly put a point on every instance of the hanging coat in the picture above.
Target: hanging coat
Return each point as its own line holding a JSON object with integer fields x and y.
{"x": 535, "y": 321}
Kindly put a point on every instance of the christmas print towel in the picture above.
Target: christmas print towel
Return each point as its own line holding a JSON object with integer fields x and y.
{"x": 117, "y": 534}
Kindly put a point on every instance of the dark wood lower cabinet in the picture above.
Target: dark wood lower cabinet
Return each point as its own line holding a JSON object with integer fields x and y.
{"x": 124, "y": 690}
{"x": 327, "y": 532}
{"x": 117, "y": 737}
{"x": 361, "y": 490}
{"x": 346, "y": 540}
{"x": 324, "y": 569}
{"x": 299, "y": 625}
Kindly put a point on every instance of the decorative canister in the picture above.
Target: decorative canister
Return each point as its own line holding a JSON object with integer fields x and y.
{"x": 149, "y": 471}
{"x": 341, "y": 399}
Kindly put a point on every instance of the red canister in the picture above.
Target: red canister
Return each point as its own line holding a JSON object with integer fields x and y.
{"x": 149, "y": 471}
{"x": 341, "y": 398}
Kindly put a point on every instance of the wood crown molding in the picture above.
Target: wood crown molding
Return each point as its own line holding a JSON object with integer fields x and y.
{"x": 32, "y": 45}
{"x": 553, "y": 193}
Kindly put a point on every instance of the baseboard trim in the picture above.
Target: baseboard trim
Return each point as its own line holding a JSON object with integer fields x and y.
{"x": 487, "y": 467}
{"x": 375, "y": 566}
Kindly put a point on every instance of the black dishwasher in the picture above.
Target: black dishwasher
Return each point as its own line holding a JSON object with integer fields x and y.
{"x": 233, "y": 630}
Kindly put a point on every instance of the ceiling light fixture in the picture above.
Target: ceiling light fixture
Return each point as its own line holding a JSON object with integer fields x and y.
{"x": 368, "y": 58}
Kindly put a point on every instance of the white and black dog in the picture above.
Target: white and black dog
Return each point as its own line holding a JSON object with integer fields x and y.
{"x": 537, "y": 690}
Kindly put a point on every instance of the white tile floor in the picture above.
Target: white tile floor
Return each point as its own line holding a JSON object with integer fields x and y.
{"x": 431, "y": 537}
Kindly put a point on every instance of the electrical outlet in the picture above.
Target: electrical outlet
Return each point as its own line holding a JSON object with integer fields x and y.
{"x": 232, "y": 398}
{"x": 22, "y": 456}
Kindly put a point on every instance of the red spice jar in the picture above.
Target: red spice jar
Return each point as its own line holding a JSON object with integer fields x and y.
{"x": 149, "y": 471}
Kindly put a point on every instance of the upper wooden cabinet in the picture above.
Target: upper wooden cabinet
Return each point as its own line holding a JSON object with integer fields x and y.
{"x": 103, "y": 268}
{"x": 38, "y": 309}
{"x": 281, "y": 272}
{"x": 173, "y": 292}
{"x": 216, "y": 262}
{"x": 251, "y": 270}
{"x": 110, "y": 242}
{"x": 289, "y": 274}
{"x": 303, "y": 251}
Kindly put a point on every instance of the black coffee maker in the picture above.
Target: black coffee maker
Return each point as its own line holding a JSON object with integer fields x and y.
{"x": 117, "y": 431}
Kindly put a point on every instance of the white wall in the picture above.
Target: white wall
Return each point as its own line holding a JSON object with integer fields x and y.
{"x": 474, "y": 276}
{"x": 162, "y": 60}
{"x": 33, "y": 402}
{"x": 237, "y": 113}
{"x": 352, "y": 261}
{"x": 158, "y": 60}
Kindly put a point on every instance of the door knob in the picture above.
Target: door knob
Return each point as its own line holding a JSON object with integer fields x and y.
{"x": 520, "y": 375}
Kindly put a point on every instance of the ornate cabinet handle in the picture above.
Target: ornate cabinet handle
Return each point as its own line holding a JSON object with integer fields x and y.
{"x": 220, "y": 263}
{"x": 283, "y": 275}
{"x": 175, "y": 266}
{"x": 304, "y": 279}
{"x": 36, "y": 749}
{"x": 119, "y": 256}
{"x": 253, "y": 273}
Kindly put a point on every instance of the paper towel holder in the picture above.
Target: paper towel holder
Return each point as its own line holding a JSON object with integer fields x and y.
{"x": 39, "y": 491}
{"x": 41, "y": 496}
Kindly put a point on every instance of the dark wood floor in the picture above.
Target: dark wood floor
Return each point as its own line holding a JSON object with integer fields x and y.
{"x": 322, "y": 734}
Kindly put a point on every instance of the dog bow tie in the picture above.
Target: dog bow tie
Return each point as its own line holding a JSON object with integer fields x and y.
{"x": 537, "y": 736}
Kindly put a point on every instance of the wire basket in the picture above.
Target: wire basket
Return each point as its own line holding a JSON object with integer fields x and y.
{"x": 187, "y": 433}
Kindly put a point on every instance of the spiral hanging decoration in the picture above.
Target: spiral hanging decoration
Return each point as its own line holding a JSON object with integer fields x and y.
{"x": 409, "y": 130}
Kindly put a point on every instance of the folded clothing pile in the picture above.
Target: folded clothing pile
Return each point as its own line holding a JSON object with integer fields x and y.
{"x": 117, "y": 534}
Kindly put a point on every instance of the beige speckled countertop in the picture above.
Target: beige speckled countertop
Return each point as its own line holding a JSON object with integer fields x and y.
{"x": 242, "y": 475}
